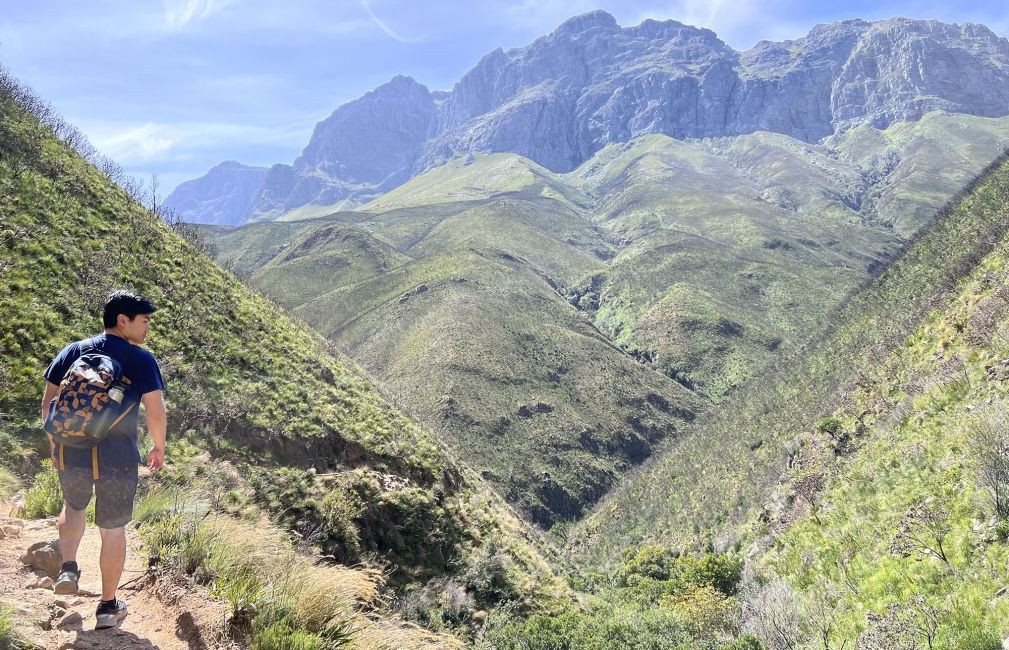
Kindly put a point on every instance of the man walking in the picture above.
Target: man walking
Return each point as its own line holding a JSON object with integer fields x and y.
{"x": 109, "y": 469}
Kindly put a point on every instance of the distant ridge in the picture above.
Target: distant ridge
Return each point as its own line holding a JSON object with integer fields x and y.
{"x": 221, "y": 197}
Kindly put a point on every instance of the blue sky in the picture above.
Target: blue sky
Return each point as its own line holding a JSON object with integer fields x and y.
{"x": 174, "y": 87}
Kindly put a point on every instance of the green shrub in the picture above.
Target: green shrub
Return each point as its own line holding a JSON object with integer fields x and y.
{"x": 9, "y": 639}
{"x": 44, "y": 498}
{"x": 746, "y": 642}
{"x": 1002, "y": 530}
{"x": 487, "y": 575}
{"x": 600, "y": 629}
{"x": 179, "y": 544}
{"x": 281, "y": 636}
{"x": 831, "y": 426}
{"x": 666, "y": 565}
{"x": 338, "y": 510}
{"x": 246, "y": 595}
{"x": 980, "y": 640}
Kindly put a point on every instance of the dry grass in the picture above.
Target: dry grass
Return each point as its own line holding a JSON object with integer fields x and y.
{"x": 391, "y": 634}
{"x": 314, "y": 592}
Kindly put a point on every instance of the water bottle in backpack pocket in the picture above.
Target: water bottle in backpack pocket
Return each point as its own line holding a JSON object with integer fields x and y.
{"x": 89, "y": 402}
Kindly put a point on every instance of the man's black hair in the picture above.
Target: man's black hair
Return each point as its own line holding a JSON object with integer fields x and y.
{"x": 125, "y": 302}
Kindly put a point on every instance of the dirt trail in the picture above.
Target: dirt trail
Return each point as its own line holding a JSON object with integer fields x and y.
{"x": 162, "y": 615}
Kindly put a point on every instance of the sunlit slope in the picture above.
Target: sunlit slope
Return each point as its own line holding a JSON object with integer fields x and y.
{"x": 480, "y": 176}
{"x": 322, "y": 259}
{"x": 720, "y": 473}
{"x": 701, "y": 260}
{"x": 247, "y": 249}
{"x": 721, "y": 263}
{"x": 910, "y": 445}
{"x": 482, "y": 347}
{"x": 912, "y": 168}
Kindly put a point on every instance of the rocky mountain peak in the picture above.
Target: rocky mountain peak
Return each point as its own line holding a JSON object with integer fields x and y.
{"x": 593, "y": 20}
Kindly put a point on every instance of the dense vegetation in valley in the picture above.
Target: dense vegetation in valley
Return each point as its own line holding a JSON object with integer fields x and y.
{"x": 557, "y": 328}
{"x": 266, "y": 419}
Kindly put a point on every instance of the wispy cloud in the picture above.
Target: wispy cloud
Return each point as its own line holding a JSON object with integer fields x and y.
{"x": 179, "y": 13}
{"x": 133, "y": 144}
{"x": 385, "y": 27}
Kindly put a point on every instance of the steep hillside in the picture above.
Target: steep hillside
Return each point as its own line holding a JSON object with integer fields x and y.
{"x": 316, "y": 446}
{"x": 898, "y": 500}
{"x": 719, "y": 476}
{"x": 322, "y": 259}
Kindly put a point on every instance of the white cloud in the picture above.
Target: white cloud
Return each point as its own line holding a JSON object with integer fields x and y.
{"x": 179, "y": 13}
{"x": 147, "y": 143}
{"x": 385, "y": 27}
{"x": 132, "y": 144}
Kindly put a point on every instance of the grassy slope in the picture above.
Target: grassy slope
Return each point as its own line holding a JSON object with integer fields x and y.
{"x": 525, "y": 387}
{"x": 917, "y": 417}
{"x": 322, "y": 259}
{"x": 719, "y": 475}
{"x": 701, "y": 259}
{"x": 715, "y": 274}
{"x": 244, "y": 381}
{"x": 927, "y": 159}
{"x": 478, "y": 177}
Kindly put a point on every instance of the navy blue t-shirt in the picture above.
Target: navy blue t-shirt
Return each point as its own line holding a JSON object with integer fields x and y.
{"x": 141, "y": 368}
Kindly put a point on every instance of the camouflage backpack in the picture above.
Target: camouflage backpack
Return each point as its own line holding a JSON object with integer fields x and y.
{"x": 89, "y": 402}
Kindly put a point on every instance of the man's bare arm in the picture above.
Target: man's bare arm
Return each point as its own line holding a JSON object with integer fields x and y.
{"x": 50, "y": 393}
{"x": 157, "y": 424}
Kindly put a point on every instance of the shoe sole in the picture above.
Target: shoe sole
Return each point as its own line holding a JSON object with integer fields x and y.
{"x": 105, "y": 621}
{"x": 66, "y": 588}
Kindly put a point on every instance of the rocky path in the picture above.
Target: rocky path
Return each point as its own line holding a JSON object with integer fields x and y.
{"x": 162, "y": 615}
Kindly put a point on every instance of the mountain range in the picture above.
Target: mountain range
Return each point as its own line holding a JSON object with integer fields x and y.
{"x": 560, "y": 327}
{"x": 591, "y": 83}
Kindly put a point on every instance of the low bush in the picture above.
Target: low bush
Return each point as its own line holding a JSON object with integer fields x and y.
{"x": 980, "y": 640}
{"x": 44, "y": 498}
{"x": 656, "y": 563}
{"x": 9, "y": 638}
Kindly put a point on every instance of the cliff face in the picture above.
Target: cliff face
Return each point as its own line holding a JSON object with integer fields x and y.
{"x": 366, "y": 147}
{"x": 591, "y": 82}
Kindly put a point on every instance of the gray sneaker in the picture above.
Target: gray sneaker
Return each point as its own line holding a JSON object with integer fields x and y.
{"x": 66, "y": 582}
{"x": 109, "y": 614}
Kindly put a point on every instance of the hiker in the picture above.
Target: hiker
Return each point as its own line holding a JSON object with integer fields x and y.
{"x": 109, "y": 468}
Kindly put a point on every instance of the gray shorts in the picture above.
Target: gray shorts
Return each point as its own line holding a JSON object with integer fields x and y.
{"x": 114, "y": 492}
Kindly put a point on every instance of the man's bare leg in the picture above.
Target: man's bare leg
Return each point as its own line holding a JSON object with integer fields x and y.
{"x": 112, "y": 559}
{"x": 71, "y": 527}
